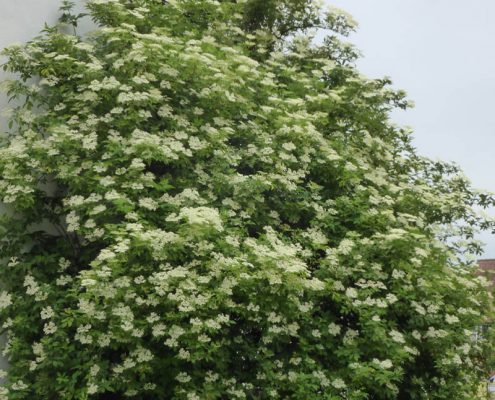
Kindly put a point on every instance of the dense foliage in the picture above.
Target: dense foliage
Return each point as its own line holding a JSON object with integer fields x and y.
{"x": 203, "y": 202}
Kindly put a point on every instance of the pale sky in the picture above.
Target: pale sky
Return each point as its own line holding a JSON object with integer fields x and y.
{"x": 439, "y": 51}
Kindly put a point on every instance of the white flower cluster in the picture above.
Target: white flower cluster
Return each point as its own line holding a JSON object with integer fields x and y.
{"x": 199, "y": 216}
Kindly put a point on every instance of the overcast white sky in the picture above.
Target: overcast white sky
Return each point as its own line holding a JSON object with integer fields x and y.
{"x": 439, "y": 51}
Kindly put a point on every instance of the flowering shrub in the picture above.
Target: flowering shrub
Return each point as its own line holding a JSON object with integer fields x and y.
{"x": 205, "y": 203}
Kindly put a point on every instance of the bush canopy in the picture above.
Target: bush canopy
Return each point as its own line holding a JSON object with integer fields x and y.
{"x": 203, "y": 200}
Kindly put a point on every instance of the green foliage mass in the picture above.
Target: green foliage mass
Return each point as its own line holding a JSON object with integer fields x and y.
{"x": 203, "y": 202}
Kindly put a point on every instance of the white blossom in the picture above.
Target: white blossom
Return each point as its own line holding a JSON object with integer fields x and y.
{"x": 5, "y": 300}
